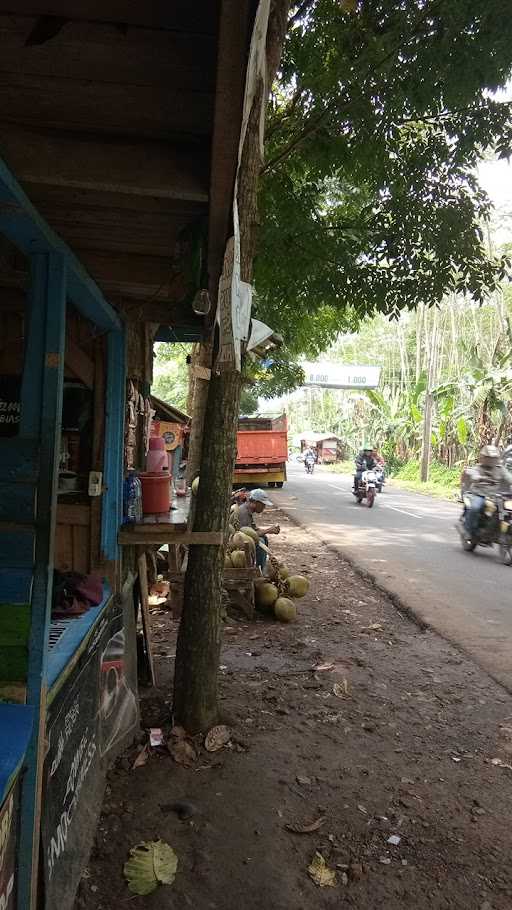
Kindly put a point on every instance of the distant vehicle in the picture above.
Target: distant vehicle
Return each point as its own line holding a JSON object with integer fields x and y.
{"x": 309, "y": 463}
{"x": 262, "y": 451}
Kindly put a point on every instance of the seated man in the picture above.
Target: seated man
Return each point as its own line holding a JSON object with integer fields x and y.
{"x": 255, "y": 504}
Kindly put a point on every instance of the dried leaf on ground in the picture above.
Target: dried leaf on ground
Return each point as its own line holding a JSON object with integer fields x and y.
{"x": 217, "y": 738}
{"x": 307, "y": 829}
{"x": 373, "y": 627}
{"x": 182, "y": 751}
{"x": 319, "y": 872}
{"x": 319, "y": 667}
{"x": 142, "y": 758}
{"x": 151, "y": 863}
{"x": 305, "y": 781}
{"x": 341, "y": 689}
{"x": 501, "y": 764}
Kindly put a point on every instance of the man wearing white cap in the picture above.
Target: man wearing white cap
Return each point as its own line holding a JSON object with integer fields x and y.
{"x": 256, "y": 504}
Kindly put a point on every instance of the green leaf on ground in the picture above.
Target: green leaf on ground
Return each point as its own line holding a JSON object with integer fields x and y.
{"x": 151, "y": 863}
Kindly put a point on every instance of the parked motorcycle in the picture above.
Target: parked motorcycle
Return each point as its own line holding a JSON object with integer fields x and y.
{"x": 495, "y": 526}
{"x": 366, "y": 488}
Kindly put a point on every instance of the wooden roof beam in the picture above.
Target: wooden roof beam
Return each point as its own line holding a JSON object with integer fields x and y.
{"x": 234, "y": 35}
{"x": 137, "y": 168}
{"x": 178, "y": 15}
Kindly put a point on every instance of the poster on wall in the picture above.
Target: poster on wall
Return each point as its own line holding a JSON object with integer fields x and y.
{"x": 92, "y": 714}
{"x": 8, "y": 843}
{"x": 10, "y": 405}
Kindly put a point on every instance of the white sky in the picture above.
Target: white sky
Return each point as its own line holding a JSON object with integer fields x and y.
{"x": 496, "y": 179}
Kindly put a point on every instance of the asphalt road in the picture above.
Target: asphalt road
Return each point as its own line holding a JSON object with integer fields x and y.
{"x": 409, "y": 544}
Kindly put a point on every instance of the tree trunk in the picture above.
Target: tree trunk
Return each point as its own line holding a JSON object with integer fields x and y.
{"x": 426, "y": 447}
{"x": 199, "y": 639}
{"x": 202, "y": 359}
{"x": 419, "y": 327}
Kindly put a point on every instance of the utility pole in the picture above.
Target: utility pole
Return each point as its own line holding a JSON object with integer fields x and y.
{"x": 426, "y": 447}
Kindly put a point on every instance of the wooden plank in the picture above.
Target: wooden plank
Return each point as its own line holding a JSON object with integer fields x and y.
{"x": 132, "y": 274}
{"x": 146, "y": 616}
{"x": 112, "y": 507}
{"x": 160, "y": 535}
{"x": 135, "y": 56}
{"x": 47, "y": 328}
{"x": 135, "y": 111}
{"x": 81, "y": 555}
{"x": 73, "y": 514}
{"x": 63, "y": 557}
{"x": 233, "y": 43}
{"x": 180, "y": 15}
{"x": 98, "y": 442}
{"x": 79, "y": 363}
{"x": 154, "y": 169}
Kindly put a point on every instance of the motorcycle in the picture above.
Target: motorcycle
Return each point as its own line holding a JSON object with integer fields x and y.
{"x": 380, "y": 478}
{"x": 495, "y": 525}
{"x": 309, "y": 465}
{"x": 366, "y": 488}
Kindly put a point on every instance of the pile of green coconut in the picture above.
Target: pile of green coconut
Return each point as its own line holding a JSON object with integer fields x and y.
{"x": 277, "y": 591}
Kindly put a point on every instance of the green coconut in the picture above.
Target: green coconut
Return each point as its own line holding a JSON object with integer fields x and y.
{"x": 228, "y": 564}
{"x": 240, "y": 540}
{"x": 265, "y": 594}
{"x": 297, "y": 585}
{"x": 284, "y": 571}
{"x": 238, "y": 559}
{"x": 195, "y": 486}
{"x": 285, "y": 609}
{"x": 250, "y": 532}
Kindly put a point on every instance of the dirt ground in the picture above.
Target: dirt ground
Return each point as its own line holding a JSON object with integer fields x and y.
{"x": 405, "y": 748}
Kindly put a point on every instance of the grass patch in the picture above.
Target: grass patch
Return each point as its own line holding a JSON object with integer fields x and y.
{"x": 341, "y": 467}
{"x": 443, "y": 482}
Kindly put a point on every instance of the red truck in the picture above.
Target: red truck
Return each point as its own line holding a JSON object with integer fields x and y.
{"x": 262, "y": 451}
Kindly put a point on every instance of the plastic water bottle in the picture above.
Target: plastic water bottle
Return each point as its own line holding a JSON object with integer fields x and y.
{"x": 132, "y": 499}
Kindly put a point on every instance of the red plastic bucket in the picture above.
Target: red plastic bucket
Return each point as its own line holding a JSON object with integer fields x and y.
{"x": 156, "y": 493}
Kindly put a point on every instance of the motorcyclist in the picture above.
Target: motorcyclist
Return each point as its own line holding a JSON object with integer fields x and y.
{"x": 365, "y": 461}
{"x": 309, "y": 458}
{"x": 487, "y": 477}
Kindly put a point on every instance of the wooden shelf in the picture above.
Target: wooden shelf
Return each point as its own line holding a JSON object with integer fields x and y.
{"x": 167, "y": 533}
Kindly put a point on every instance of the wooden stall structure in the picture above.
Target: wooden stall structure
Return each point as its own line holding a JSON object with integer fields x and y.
{"x": 120, "y": 131}
{"x": 329, "y": 448}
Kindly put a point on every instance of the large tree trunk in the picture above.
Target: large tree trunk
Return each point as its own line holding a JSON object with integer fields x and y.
{"x": 199, "y": 639}
{"x": 202, "y": 358}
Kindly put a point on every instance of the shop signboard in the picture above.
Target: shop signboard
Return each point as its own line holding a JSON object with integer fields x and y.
{"x": 8, "y": 844}
{"x": 10, "y": 405}
{"x": 92, "y": 714}
{"x": 337, "y": 376}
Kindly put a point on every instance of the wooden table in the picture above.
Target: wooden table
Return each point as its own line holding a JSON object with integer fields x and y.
{"x": 155, "y": 530}
{"x": 168, "y": 528}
